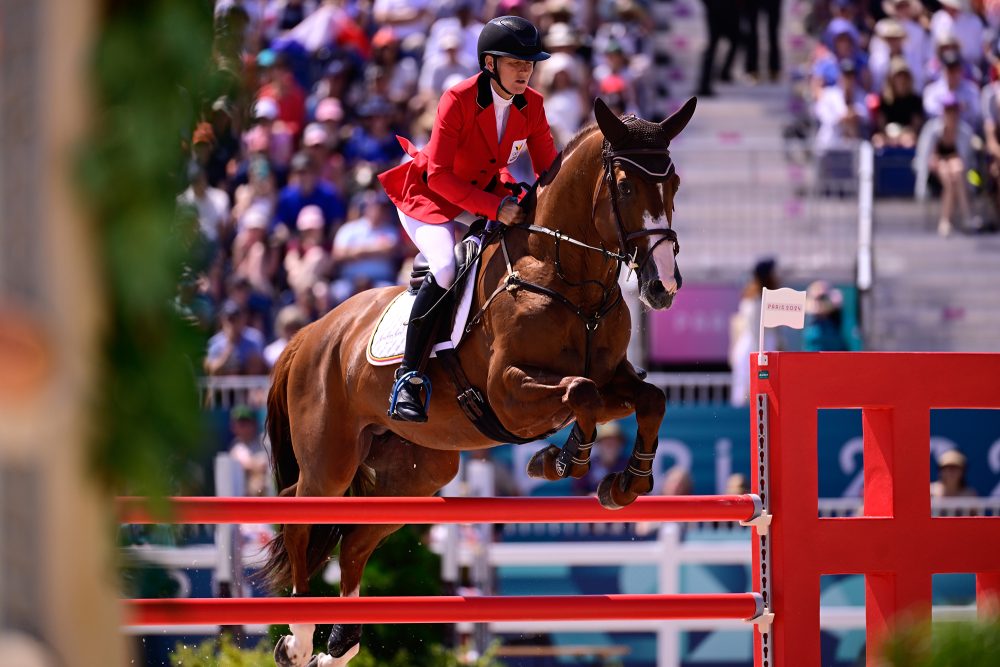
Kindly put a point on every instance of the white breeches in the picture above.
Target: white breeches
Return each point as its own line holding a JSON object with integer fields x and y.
{"x": 437, "y": 244}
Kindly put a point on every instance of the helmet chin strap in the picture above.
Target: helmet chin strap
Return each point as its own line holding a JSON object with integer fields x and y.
{"x": 494, "y": 75}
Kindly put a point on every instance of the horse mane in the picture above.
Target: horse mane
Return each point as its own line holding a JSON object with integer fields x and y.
{"x": 578, "y": 138}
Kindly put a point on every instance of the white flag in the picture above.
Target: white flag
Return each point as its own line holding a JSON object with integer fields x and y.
{"x": 783, "y": 307}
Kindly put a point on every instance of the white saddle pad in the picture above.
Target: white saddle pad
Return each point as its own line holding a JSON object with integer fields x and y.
{"x": 385, "y": 347}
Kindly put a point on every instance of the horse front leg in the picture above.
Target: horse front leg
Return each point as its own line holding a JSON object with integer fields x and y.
{"x": 535, "y": 396}
{"x": 625, "y": 392}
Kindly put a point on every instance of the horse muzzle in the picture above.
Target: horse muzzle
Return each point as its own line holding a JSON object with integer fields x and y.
{"x": 655, "y": 295}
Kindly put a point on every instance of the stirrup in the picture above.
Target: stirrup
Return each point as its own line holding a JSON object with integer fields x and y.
{"x": 408, "y": 378}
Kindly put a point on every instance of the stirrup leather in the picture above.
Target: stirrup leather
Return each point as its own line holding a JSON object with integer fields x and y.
{"x": 410, "y": 377}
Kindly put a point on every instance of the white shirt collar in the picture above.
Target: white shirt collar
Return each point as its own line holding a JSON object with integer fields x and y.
{"x": 501, "y": 108}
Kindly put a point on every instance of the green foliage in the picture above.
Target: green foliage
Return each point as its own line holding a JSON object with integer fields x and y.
{"x": 222, "y": 652}
{"x": 151, "y": 76}
{"x": 944, "y": 645}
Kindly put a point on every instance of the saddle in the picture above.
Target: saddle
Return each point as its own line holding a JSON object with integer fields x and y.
{"x": 386, "y": 344}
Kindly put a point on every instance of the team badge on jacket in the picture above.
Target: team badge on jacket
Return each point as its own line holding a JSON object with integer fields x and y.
{"x": 516, "y": 149}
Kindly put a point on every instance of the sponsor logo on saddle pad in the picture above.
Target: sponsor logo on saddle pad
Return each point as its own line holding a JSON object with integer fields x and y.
{"x": 385, "y": 347}
{"x": 516, "y": 149}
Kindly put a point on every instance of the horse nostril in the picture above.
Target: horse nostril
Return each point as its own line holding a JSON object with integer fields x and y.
{"x": 657, "y": 288}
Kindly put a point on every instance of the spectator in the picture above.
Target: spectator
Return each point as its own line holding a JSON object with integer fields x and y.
{"x": 235, "y": 349}
{"x": 565, "y": 106}
{"x": 307, "y": 260}
{"x": 401, "y": 71}
{"x": 823, "y": 319}
{"x": 842, "y": 46}
{"x": 334, "y": 84}
{"x": 288, "y": 322}
{"x": 944, "y": 149}
{"x": 365, "y": 250}
{"x": 455, "y": 17}
{"x": 771, "y": 9}
{"x": 991, "y": 131}
{"x": 953, "y": 84}
{"x": 841, "y": 111}
{"x": 257, "y": 197}
{"x": 917, "y": 44}
{"x": 677, "y": 482}
{"x": 737, "y": 485}
{"x": 951, "y": 477}
{"x": 953, "y": 21}
{"x": 282, "y": 87}
{"x": 406, "y": 17}
{"x": 211, "y": 203}
{"x": 616, "y": 67}
{"x": 723, "y": 22}
{"x": 333, "y": 166}
{"x": 607, "y": 456}
{"x": 248, "y": 450}
{"x": 887, "y": 46}
{"x": 276, "y": 136}
{"x": 304, "y": 189}
{"x": 374, "y": 142}
{"x": 226, "y": 147}
{"x": 254, "y": 258}
{"x": 446, "y": 66}
{"x": 744, "y": 329}
{"x": 900, "y": 109}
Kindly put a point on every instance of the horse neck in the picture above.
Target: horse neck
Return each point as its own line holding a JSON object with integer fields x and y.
{"x": 566, "y": 205}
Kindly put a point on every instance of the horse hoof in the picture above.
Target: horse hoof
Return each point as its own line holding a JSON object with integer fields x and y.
{"x": 324, "y": 660}
{"x": 285, "y": 654}
{"x": 537, "y": 468}
{"x": 604, "y": 492}
{"x": 343, "y": 638}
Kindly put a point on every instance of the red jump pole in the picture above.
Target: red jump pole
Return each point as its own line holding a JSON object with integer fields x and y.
{"x": 454, "y": 609}
{"x": 386, "y": 510}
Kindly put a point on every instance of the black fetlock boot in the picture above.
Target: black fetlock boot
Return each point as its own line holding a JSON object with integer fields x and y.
{"x": 405, "y": 403}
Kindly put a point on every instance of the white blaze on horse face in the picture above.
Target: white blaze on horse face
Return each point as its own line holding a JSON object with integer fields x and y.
{"x": 663, "y": 255}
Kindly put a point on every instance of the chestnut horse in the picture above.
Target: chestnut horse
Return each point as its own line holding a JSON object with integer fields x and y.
{"x": 549, "y": 348}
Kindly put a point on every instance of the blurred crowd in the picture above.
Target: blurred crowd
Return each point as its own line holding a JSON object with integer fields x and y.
{"x": 282, "y": 170}
{"x": 920, "y": 79}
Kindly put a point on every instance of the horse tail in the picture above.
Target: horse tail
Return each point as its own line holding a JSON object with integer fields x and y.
{"x": 279, "y": 432}
{"x": 276, "y": 572}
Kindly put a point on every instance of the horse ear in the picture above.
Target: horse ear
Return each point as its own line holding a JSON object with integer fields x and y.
{"x": 679, "y": 120}
{"x": 611, "y": 125}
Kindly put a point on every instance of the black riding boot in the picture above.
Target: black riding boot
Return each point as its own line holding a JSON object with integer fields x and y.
{"x": 419, "y": 338}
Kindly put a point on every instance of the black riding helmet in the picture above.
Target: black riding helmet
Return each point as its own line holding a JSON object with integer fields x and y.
{"x": 510, "y": 36}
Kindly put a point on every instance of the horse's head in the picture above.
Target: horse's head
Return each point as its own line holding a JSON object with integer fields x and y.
{"x": 641, "y": 182}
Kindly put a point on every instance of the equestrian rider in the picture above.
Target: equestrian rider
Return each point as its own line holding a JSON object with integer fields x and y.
{"x": 483, "y": 124}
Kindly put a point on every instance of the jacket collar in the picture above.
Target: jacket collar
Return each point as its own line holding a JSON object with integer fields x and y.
{"x": 484, "y": 94}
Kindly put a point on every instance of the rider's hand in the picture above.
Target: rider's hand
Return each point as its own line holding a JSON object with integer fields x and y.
{"x": 511, "y": 213}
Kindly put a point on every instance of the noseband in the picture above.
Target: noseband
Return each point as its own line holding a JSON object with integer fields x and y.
{"x": 612, "y": 158}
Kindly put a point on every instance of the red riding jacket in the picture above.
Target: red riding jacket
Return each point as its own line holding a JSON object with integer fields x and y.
{"x": 463, "y": 167}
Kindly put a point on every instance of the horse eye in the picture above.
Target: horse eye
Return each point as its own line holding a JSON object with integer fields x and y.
{"x": 625, "y": 188}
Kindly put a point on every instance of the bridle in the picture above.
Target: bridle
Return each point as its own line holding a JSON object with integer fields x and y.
{"x": 612, "y": 158}
{"x": 612, "y": 295}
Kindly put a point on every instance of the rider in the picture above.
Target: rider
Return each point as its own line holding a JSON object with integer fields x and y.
{"x": 483, "y": 124}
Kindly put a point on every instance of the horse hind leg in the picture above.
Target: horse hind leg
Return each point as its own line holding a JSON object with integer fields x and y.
{"x": 401, "y": 469}
{"x": 308, "y": 547}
